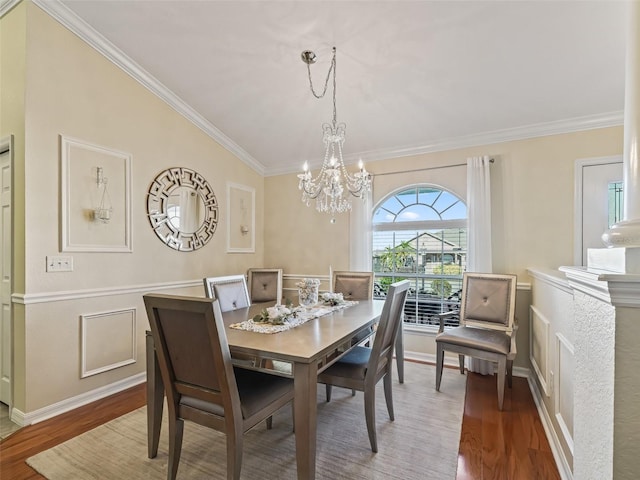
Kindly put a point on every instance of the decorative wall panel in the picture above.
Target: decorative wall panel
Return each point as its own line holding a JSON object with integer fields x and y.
{"x": 108, "y": 341}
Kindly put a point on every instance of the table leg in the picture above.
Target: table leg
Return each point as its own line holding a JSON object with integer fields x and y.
{"x": 305, "y": 411}
{"x": 400, "y": 351}
{"x": 155, "y": 398}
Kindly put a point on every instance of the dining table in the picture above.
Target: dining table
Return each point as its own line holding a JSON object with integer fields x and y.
{"x": 309, "y": 348}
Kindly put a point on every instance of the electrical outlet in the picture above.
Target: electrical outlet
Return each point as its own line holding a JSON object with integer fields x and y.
{"x": 59, "y": 263}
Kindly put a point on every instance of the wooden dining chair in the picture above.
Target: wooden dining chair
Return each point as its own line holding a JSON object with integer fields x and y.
{"x": 231, "y": 291}
{"x": 362, "y": 367}
{"x": 265, "y": 285}
{"x": 487, "y": 326}
{"x": 201, "y": 384}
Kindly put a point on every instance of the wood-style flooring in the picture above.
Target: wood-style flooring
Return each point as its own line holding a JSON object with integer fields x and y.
{"x": 507, "y": 445}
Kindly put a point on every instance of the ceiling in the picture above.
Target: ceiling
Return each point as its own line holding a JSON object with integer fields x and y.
{"x": 412, "y": 76}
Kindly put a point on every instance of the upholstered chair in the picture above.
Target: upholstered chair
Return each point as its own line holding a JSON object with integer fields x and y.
{"x": 265, "y": 285}
{"x": 201, "y": 383}
{"x": 487, "y": 326}
{"x": 231, "y": 291}
{"x": 363, "y": 367}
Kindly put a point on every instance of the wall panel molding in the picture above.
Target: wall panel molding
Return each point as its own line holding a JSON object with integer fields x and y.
{"x": 539, "y": 347}
{"x": 98, "y": 356}
{"x": 563, "y": 401}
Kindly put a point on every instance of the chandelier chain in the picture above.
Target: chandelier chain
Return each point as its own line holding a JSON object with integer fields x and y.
{"x": 333, "y": 180}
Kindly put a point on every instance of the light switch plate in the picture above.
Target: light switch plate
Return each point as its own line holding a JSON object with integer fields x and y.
{"x": 59, "y": 263}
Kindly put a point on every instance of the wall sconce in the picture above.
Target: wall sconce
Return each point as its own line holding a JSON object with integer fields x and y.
{"x": 103, "y": 212}
{"x": 244, "y": 229}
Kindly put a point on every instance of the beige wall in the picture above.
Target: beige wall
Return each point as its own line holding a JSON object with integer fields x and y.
{"x": 74, "y": 91}
{"x": 532, "y": 184}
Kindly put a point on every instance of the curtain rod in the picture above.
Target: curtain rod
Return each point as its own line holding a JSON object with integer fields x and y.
{"x": 491, "y": 160}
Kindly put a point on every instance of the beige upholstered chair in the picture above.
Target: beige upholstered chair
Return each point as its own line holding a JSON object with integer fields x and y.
{"x": 362, "y": 367}
{"x": 265, "y": 284}
{"x": 487, "y": 326}
{"x": 231, "y": 291}
{"x": 200, "y": 381}
{"x": 353, "y": 285}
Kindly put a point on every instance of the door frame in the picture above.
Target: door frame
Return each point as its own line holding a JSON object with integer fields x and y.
{"x": 6, "y": 147}
{"x": 580, "y": 165}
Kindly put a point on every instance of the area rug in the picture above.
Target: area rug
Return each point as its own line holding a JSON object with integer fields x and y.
{"x": 422, "y": 442}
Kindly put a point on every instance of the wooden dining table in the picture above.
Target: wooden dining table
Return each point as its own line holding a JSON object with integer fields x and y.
{"x": 310, "y": 348}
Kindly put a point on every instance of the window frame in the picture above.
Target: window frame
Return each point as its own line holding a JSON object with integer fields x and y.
{"x": 419, "y": 227}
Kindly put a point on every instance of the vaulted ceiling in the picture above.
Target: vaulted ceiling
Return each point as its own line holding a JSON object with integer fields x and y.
{"x": 412, "y": 76}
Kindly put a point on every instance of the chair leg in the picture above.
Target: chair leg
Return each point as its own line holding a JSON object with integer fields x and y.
{"x": 388, "y": 394}
{"x": 328, "y": 390}
{"x": 176, "y": 429}
{"x": 439, "y": 365}
{"x": 461, "y": 361}
{"x": 502, "y": 367}
{"x": 234, "y": 454}
{"x": 269, "y": 422}
{"x": 399, "y": 347}
{"x": 510, "y": 373}
{"x": 370, "y": 415}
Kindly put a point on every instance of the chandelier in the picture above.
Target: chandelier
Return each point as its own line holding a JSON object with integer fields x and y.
{"x": 328, "y": 188}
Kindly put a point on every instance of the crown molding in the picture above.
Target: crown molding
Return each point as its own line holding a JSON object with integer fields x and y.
{"x": 577, "y": 124}
{"x": 79, "y": 27}
{"x": 6, "y": 6}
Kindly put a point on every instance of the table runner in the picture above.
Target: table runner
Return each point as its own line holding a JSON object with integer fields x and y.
{"x": 302, "y": 315}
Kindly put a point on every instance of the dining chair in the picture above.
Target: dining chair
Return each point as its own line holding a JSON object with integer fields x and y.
{"x": 359, "y": 286}
{"x": 487, "y": 326}
{"x": 231, "y": 291}
{"x": 353, "y": 285}
{"x": 265, "y": 284}
{"x": 201, "y": 383}
{"x": 363, "y": 367}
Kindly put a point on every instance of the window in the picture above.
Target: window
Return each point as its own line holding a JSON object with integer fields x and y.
{"x": 614, "y": 202}
{"x": 420, "y": 234}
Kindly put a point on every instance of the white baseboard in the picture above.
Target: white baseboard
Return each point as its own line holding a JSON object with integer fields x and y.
{"x": 23, "y": 419}
{"x": 552, "y": 437}
{"x": 453, "y": 362}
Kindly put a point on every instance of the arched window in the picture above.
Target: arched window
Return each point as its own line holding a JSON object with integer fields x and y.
{"x": 420, "y": 234}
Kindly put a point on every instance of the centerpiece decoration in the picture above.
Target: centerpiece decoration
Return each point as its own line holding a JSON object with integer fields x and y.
{"x": 308, "y": 291}
{"x": 333, "y": 299}
{"x": 276, "y": 315}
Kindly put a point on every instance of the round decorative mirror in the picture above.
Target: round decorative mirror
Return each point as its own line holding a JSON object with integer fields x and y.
{"x": 182, "y": 209}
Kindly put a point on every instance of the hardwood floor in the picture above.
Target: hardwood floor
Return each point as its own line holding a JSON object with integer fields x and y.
{"x": 507, "y": 445}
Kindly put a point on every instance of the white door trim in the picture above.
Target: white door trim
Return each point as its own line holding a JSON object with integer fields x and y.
{"x": 6, "y": 275}
{"x": 578, "y": 199}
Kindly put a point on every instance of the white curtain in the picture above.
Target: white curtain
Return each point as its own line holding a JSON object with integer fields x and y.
{"x": 479, "y": 231}
{"x": 360, "y": 232}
